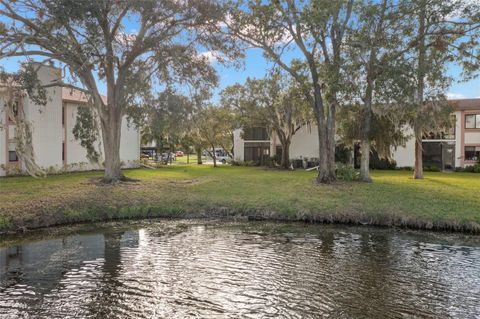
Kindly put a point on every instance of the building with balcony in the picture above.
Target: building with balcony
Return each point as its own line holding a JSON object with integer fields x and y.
{"x": 459, "y": 147}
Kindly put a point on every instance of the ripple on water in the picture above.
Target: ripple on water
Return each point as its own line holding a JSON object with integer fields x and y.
{"x": 179, "y": 269}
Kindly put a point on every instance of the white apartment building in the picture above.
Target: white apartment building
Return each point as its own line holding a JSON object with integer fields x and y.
{"x": 54, "y": 145}
{"x": 458, "y": 148}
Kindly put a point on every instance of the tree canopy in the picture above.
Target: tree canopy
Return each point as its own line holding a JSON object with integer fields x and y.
{"x": 92, "y": 41}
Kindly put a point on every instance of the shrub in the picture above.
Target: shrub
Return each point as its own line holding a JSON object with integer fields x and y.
{"x": 432, "y": 168}
{"x": 244, "y": 163}
{"x": 469, "y": 169}
{"x": 476, "y": 168}
{"x": 382, "y": 163}
{"x": 272, "y": 161}
{"x": 347, "y": 173}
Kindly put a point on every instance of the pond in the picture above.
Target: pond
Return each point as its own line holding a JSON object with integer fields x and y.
{"x": 213, "y": 269}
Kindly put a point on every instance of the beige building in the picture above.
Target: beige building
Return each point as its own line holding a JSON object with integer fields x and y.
{"x": 53, "y": 142}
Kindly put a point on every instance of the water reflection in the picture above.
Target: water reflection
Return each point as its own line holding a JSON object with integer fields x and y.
{"x": 180, "y": 269}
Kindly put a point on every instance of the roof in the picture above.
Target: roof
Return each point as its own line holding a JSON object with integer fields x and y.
{"x": 465, "y": 104}
{"x": 74, "y": 95}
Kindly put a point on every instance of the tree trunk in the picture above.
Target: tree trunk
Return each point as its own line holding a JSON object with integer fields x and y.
{"x": 199, "y": 156}
{"x": 111, "y": 124}
{"x": 325, "y": 173}
{"x": 188, "y": 158}
{"x": 331, "y": 139}
{"x": 418, "y": 170}
{"x": 326, "y": 168}
{"x": 365, "y": 141}
{"x": 285, "y": 160}
{"x": 365, "y": 160}
{"x": 326, "y": 130}
{"x": 214, "y": 156}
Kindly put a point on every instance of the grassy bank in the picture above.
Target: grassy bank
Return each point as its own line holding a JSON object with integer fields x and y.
{"x": 441, "y": 201}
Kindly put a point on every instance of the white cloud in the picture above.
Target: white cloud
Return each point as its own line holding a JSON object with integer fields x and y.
{"x": 455, "y": 96}
{"x": 213, "y": 56}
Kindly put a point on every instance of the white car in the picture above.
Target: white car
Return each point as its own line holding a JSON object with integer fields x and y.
{"x": 223, "y": 159}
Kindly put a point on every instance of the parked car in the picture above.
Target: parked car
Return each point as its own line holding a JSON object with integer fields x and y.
{"x": 165, "y": 157}
{"x": 223, "y": 159}
{"x": 220, "y": 154}
{"x": 178, "y": 153}
{"x": 145, "y": 156}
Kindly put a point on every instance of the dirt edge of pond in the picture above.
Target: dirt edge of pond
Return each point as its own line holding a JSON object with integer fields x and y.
{"x": 21, "y": 224}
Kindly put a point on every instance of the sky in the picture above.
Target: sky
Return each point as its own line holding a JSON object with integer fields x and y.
{"x": 256, "y": 66}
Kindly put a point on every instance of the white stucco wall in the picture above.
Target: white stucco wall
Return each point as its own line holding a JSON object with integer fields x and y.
{"x": 305, "y": 143}
{"x": 46, "y": 123}
{"x": 129, "y": 144}
{"x": 238, "y": 144}
{"x": 405, "y": 155}
{"x": 3, "y": 154}
{"x": 458, "y": 142}
{"x": 77, "y": 155}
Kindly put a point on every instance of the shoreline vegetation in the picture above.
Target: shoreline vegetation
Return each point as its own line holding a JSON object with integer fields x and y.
{"x": 442, "y": 201}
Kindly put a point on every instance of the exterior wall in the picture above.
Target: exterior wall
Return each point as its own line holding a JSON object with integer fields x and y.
{"x": 76, "y": 155}
{"x": 458, "y": 139}
{"x": 46, "y": 123}
{"x": 305, "y": 143}
{"x": 238, "y": 145}
{"x": 405, "y": 155}
{"x": 3, "y": 138}
{"x": 129, "y": 145}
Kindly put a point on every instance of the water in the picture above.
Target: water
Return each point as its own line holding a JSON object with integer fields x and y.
{"x": 186, "y": 269}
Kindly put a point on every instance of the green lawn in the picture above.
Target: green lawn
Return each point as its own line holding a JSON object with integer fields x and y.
{"x": 192, "y": 158}
{"x": 441, "y": 200}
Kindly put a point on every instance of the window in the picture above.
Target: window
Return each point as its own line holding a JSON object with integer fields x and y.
{"x": 472, "y": 121}
{"x": 63, "y": 115}
{"x": 256, "y": 151}
{"x": 12, "y": 154}
{"x": 255, "y": 134}
{"x": 63, "y": 151}
{"x": 472, "y": 153}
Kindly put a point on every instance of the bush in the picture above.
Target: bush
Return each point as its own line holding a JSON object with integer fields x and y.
{"x": 382, "y": 163}
{"x": 476, "y": 168}
{"x": 246, "y": 163}
{"x": 432, "y": 168}
{"x": 272, "y": 161}
{"x": 347, "y": 173}
{"x": 468, "y": 169}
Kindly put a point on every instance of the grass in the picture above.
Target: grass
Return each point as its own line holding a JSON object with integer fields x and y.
{"x": 183, "y": 159}
{"x": 440, "y": 201}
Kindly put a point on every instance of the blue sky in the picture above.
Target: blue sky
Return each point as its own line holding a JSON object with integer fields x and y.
{"x": 255, "y": 65}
